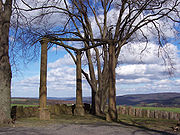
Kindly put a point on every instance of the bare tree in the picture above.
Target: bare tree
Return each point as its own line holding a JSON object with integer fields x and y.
{"x": 5, "y": 68}
{"x": 115, "y": 23}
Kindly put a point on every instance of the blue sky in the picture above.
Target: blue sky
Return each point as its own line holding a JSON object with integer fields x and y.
{"x": 132, "y": 77}
{"x": 137, "y": 72}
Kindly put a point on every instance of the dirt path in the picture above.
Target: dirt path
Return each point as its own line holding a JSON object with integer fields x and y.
{"x": 80, "y": 129}
{"x": 82, "y": 125}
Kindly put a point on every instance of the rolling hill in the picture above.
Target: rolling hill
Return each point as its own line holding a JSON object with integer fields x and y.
{"x": 154, "y": 99}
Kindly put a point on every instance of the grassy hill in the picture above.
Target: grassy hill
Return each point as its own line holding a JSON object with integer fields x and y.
{"x": 35, "y": 101}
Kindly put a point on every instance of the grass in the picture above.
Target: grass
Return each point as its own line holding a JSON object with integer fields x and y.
{"x": 23, "y": 105}
{"x": 62, "y": 119}
{"x": 149, "y": 123}
{"x": 168, "y": 109}
{"x": 144, "y": 123}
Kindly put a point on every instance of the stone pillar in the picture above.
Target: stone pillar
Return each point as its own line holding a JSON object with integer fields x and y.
{"x": 112, "y": 111}
{"x": 44, "y": 113}
{"x": 79, "y": 110}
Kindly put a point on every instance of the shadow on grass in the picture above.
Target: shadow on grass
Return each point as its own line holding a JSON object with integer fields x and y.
{"x": 97, "y": 121}
{"x": 141, "y": 128}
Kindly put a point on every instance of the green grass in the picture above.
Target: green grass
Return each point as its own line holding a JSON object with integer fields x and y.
{"x": 150, "y": 123}
{"x": 23, "y": 105}
{"x": 157, "y": 124}
{"x": 168, "y": 109}
{"x": 62, "y": 119}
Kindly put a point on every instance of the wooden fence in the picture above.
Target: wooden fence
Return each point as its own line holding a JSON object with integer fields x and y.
{"x": 137, "y": 112}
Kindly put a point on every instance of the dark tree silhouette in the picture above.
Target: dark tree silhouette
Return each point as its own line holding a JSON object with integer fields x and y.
{"x": 5, "y": 68}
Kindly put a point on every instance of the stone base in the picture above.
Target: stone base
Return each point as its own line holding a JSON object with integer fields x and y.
{"x": 79, "y": 111}
{"x": 44, "y": 114}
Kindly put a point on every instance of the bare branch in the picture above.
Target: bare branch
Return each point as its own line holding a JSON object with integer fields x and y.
{"x": 63, "y": 45}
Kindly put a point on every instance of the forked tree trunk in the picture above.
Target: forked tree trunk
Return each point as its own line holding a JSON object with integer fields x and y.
{"x": 5, "y": 68}
{"x": 99, "y": 87}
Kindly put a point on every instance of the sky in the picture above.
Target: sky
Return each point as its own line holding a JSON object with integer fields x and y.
{"x": 136, "y": 73}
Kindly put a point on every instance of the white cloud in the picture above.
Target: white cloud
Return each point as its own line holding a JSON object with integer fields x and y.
{"x": 177, "y": 82}
{"x": 145, "y": 72}
{"x": 66, "y": 60}
{"x": 147, "y": 53}
{"x": 133, "y": 81}
{"x": 131, "y": 69}
{"x": 163, "y": 82}
{"x": 61, "y": 82}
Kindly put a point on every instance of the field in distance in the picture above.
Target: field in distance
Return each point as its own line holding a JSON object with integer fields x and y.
{"x": 145, "y": 100}
{"x": 35, "y": 101}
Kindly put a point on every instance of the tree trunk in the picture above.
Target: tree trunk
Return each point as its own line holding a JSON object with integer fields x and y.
{"x": 103, "y": 99}
{"x": 97, "y": 104}
{"x": 93, "y": 107}
{"x": 79, "y": 110}
{"x": 99, "y": 87}
{"x": 5, "y": 68}
{"x": 112, "y": 111}
{"x": 99, "y": 99}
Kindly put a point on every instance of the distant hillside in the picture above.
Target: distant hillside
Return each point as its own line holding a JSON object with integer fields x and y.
{"x": 155, "y": 99}
{"x": 35, "y": 101}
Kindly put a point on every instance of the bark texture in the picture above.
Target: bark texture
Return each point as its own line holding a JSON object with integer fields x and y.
{"x": 112, "y": 111}
{"x": 79, "y": 104}
{"x": 5, "y": 68}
